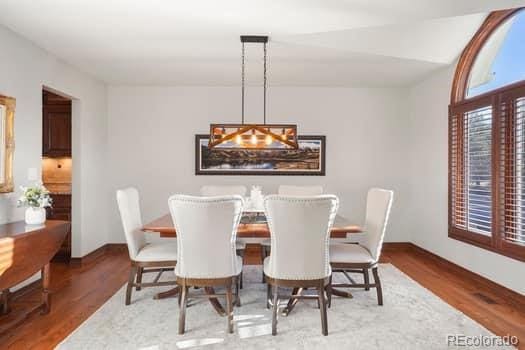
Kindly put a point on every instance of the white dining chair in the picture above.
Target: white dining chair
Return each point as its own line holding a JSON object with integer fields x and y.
{"x": 145, "y": 257}
{"x": 363, "y": 256}
{"x": 206, "y": 232}
{"x": 289, "y": 190}
{"x": 228, "y": 190}
{"x": 300, "y": 232}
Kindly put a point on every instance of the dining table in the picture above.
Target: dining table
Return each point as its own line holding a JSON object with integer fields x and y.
{"x": 253, "y": 224}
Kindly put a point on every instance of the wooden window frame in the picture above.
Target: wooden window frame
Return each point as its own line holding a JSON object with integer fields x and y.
{"x": 459, "y": 105}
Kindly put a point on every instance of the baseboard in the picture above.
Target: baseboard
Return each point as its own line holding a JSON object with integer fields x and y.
{"x": 517, "y": 299}
{"x": 97, "y": 253}
{"x": 396, "y": 246}
{"x": 26, "y": 289}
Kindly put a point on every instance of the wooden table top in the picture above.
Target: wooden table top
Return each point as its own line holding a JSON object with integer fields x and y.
{"x": 19, "y": 228}
{"x": 164, "y": 225}
{"x": 25, "y": 249}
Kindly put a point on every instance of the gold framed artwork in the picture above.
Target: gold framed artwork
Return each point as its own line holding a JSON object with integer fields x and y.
{"x": 7, "y": 142}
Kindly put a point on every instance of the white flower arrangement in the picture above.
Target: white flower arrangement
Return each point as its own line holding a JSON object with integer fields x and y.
{"x": 35, "y": 197}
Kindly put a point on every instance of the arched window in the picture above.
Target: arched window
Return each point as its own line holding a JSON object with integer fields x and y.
{"x": 487, "y": 138}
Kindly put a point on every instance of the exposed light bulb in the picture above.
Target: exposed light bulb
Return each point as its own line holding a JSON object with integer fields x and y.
{"x": 254, "y": 139}
{"x": 238, "y": 139}
{"x": 269, "y": 139}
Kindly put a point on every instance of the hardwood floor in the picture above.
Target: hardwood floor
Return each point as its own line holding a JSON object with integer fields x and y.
{"x": 79, "y": 291}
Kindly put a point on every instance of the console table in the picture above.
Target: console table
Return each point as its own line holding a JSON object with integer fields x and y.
{"x": 26, "y": 250}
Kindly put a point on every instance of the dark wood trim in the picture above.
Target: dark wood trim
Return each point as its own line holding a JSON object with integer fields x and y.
{"x": 469, "y": 54}
{"x": 501, "y": 153}
{"x": 97, "y": 253}
{"x": 321, "y": 172}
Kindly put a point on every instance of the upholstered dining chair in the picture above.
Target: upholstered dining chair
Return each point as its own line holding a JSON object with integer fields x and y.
{"x": 289, "y": 190}
{"x": 206, "y": 232}
{"x": 363, "y": 256}
{"x": 228, "y": 190}
{"x": 300, "y": 232}
{"x": 145, "y": 257}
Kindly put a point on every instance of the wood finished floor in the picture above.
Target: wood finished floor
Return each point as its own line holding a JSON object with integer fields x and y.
{"x": 79, "y": 291}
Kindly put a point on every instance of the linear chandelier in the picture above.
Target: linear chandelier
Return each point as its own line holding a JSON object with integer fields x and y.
{"x": 256, "y": 136}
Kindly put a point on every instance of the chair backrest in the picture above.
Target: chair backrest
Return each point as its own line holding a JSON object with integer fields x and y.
{"x": 287, "y": 190}
{"x": 211, "y": 191}
{"x": 378, "y": 204}
{"x": 129, "y": 207}
{"x": 300, "y": 235}
{"x": 206, "y": 233}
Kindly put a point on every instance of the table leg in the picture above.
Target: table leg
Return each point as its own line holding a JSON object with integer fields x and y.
{"x": 215, "y": 302}
{"x": 341, "y": 293}
{"x": 46, "y": 299}
{"x": 167, "y": 294}
{"x": 4, "y": 302}
{"x": 292, "y": 302}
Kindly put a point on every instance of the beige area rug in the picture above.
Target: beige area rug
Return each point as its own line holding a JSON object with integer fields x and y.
{"x": 412, "y": 318}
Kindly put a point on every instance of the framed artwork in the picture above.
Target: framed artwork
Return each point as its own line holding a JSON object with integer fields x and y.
{"x": 7, "y": 143}
{"x": 308, "y": 159}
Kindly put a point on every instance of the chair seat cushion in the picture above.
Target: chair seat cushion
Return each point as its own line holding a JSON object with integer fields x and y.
{"x": 349, "y": 253}
{"x": 157, "y": 252}
{"x": 210, "y": 274}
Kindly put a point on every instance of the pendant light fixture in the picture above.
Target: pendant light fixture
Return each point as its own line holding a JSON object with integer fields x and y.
{"x": 253, "y": 136}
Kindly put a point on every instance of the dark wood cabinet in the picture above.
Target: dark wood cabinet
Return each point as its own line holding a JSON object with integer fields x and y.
{"x": 61, "y": 210}
{"x": 56, "y": 126}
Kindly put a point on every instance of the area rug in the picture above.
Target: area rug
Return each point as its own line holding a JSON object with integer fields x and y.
{"x": 411, "y": 318}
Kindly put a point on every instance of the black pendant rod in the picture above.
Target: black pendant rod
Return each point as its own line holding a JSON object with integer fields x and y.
{"x": 254, "y": 39}
{"x": 242, "y": 78}
{"x": 264, "y": 89}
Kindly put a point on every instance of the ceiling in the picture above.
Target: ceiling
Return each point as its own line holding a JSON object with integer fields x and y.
{"x": 312, "y": 42}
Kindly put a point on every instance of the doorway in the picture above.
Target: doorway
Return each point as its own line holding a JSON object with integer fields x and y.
{"x": 57, "y": 160}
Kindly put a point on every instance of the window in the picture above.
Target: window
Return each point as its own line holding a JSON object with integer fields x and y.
{"x": 487, "y": 138}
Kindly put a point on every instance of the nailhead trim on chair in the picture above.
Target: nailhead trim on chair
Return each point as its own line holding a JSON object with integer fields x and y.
{"x": 202, "y": 201}
{"x": 331, "y": 219}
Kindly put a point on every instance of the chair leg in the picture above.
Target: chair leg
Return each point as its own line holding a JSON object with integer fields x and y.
{"x": 182, "y": 311}
{"x": 329, "y": 292}
{"x": 322, "y": 302}
{"x": 229, "y": 308}
{"x": 378, "y": 286}
{"x": 131, "y": 280}
{"x": 140, "y": 270}
{"x": 268, "y": 295}
{"x": 237, "y": 287}
{"x": 367, "y": 279}
{"x": 275, "y": 309}
{"x": 263, "y": 256}
{"x": 240, "y": 281}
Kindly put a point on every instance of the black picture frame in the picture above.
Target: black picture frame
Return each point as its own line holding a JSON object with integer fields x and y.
{"x": 201, "y": 142}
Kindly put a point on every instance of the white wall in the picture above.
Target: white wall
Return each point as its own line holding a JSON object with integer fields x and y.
{"x": 152, "y": 142}
{"x": 428, "y": 102}
{"x": 24, "y": 70}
